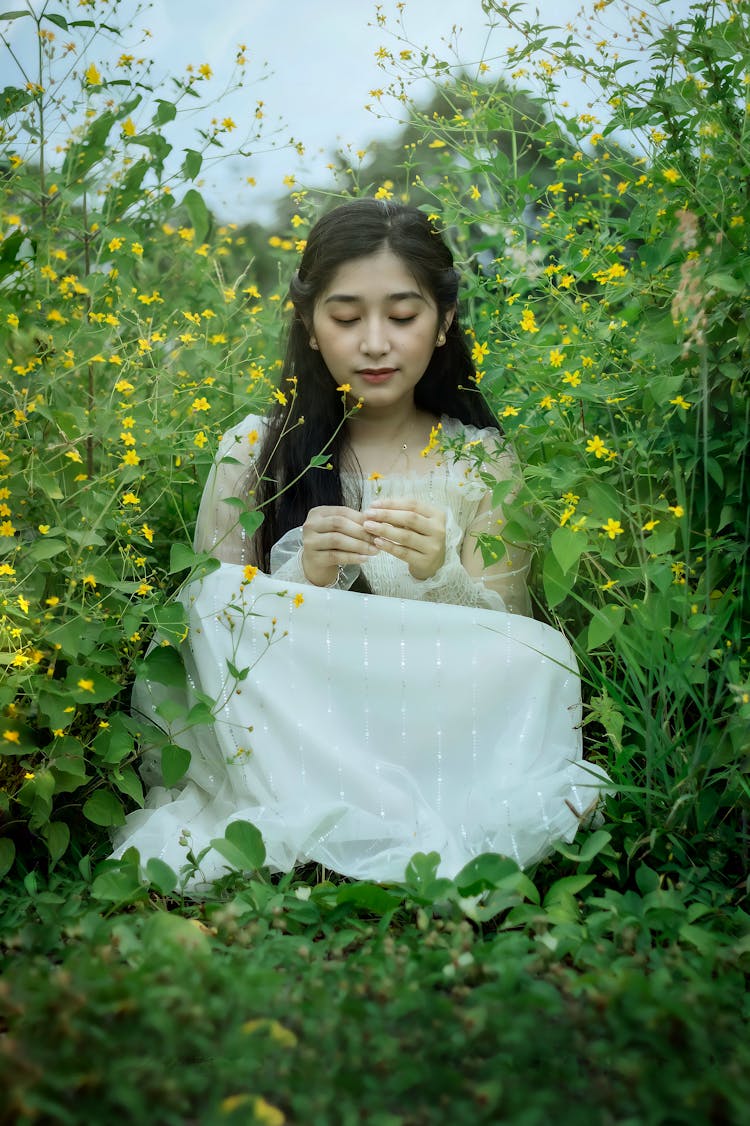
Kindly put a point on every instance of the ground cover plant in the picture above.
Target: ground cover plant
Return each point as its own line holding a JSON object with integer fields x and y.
{"x": 605, "y": 262}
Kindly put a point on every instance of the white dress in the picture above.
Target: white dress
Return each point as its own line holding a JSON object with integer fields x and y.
{"x": 425, "y": 716}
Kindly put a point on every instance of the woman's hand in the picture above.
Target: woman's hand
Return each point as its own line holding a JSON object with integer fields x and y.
{"x": 333, "y": 537}
{"x": 411, "y": 531}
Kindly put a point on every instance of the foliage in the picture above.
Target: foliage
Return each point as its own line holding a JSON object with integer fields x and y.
{"x": 318, "y": 1002}
{"x": 129, "y": 348}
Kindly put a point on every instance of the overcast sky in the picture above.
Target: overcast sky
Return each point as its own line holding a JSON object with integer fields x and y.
{"x": 312, "y": 62}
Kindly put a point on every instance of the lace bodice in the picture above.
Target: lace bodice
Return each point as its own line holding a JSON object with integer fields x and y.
{"x": 450, "y": 482}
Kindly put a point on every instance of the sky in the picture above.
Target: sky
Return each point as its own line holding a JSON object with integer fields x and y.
{"x": 313, "y": 64}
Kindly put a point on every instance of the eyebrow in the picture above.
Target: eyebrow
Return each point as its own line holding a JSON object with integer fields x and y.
{"x": 409, "y": 294}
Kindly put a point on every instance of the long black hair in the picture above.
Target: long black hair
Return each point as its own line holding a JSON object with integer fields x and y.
{"x": 353, "y": 230}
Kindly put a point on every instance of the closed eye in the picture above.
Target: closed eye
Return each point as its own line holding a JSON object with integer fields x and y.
{"x": 404, "y": 320}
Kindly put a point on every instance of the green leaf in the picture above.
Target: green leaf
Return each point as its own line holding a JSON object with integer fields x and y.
{"x": 165, "y": 112}
{"x": 104, "y": 809}
{"x": 591, "y": 846}
{"x": 566, "y": 887}
{"x": 568, "y": 547}
{"x": 242, "y": 845}
{"x": 14, "y": 15}
{"x": 484, "y": 872}
{"x": 198, "y": 212}
{"x": 557, "y": 583}
{"x": 161, "y": 876}
{"x": 128, "y": 782}
{"x": 174, "y": 763}
{"x": 163, "y": 664}
{"x": 603, "y": 625}
{"x": 7, "y": 855}
{"x": 192, "y": 164}
{"x": 57, "y": 836}
{"x": 45, "y": 549}
{"x": 727, "y": 283}
{"x": 55, "y": 18}
{"x": 170, "y": 620}
{"x": 182, "y": 558}
{"x": 119, "y": 884}
{"x": 88, "y": 686}
{"x": 369, "y": 897}
{"x": 245, "y": 836}
{"x": 250, "y": 522}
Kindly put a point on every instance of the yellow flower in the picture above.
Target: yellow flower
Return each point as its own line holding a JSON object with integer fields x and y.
{"x": 200, "y": 439}
{"x": 556, "y": 357}
{"x": 572, "y": 377}
{"x": 43, "y": 529}
{"x": 204, "y": 70}
{"x": 86, "y": 685}
{"x": 436, "y": 144}
{"x": 375, "y": 477}
{"x": 298, "y": 599}
{"x": 131, "y": 458}
{"x": 345, "y": 388}
{"x": 509, "y": 412}
{"x": 613, "y": 528}
{"x": 92, "y": 76}
{"x": 24, "y": 605}
{"x": 650, "y": 525}
{"x": 249, "y": 573}
{"x": 474, "y": 192}
{"x": 128, "y": 127}
{"x": 680, "y": 402}
{"x": 280, "y": 397}
{"x": 228, "y": 124}
{"x": 671, "y": 174}
{"x": 528, "y": 321}
{"x": 677, "y": 510}
{"x": 12, "y": 736}
{"x": 114, "y": 244}
{"x": 7, "y": 528}
{"x": 90, "y": 581}
{"x": 596, "y": 446}
{"x": 130, "y": 498}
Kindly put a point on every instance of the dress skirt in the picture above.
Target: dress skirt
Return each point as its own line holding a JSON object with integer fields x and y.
{"x": 355, "y": 730}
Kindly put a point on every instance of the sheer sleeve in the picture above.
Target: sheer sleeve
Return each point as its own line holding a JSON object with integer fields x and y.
{"x": 463, "y": 578}
{"x": 218, "y": 529}
{"x": 506, "y": 577}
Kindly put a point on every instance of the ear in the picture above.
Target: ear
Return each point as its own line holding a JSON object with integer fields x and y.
{"x": 446, "y": 323}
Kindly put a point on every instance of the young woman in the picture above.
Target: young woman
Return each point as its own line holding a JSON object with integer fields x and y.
{"x": 378, "y": 691}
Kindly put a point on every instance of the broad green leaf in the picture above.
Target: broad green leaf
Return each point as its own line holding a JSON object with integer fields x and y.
{"x": 557, "y": 583}
{"x": 591, "y": 846}
{"x": 160, "y": 876}
{"x": 369, "y": 897}
{"x": 174, "y": 763}
{"x": 57, "y": 836}
{"x": 104, "y": 809}
{"x": 245, "y": 836}
{"x": 198, "y": 212}
{"x": 119, "y": 884}
{"x": 170, "y": 620}
{"x": 728, "y": 283}
{"x": 7, "y": 855}
{"x": 250, "y": 522}
{"x": 566, "y": 887}
{"x": 88, "y": 686}
{"x": 128, "y": 782}
{"x": 163, "y": 664}
{"x": 603, "y": 625}
{"x": 568, "y": 547}
{"x": 44, "y": 548}
{"x": 165, "y": 112}
{"x": 56, "y": 18}
{"x": 192, "y": 164}
{"x": 484, "y": 872}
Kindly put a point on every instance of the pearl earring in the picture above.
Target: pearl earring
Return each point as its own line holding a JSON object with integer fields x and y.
{"x": 440, "y": 340}
{"x": 314, "y": 344}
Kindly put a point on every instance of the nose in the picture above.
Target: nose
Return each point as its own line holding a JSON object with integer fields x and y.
{"x": 374, "y": 340}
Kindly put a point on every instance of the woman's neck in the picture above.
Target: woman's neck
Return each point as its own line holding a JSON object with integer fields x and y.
{"x": 390, "y": 442}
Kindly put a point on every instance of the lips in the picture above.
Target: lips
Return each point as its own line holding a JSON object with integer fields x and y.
{"x": 376, "y": 375}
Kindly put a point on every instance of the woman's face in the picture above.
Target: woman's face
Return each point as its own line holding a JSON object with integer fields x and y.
{"x": 376, "y": 329}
